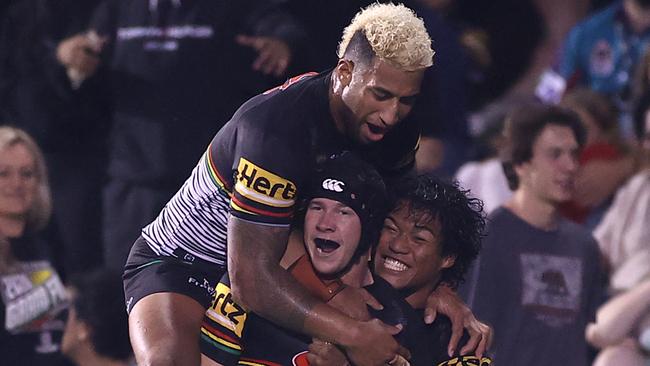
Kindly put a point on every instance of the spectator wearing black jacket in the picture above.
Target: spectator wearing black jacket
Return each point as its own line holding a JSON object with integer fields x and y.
{"x": 176, "y": 70}
{"x": 69, "y": 124}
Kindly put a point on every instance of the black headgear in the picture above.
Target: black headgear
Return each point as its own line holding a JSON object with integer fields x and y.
{"x": 347, "y": 179}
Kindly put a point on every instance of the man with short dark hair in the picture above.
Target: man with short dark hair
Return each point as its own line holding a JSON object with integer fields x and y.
{"x": 603, "y": 53}
{"x": 538, "y": 277}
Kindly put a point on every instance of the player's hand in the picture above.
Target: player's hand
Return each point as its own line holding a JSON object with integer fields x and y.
{"x": 81, "y": 53}
{"x": 446, "y": 301}
{"x": 373, "y": 344}
{"x": 325, "y": 354}
{"x": 354, "y": 302}
{"x": 273, "y": 54}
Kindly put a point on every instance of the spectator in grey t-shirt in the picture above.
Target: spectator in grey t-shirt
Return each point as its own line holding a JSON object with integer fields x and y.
{"x": 537, "y": 282}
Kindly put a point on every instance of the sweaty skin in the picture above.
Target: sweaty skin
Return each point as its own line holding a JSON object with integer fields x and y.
{"x": 261, "y": 285}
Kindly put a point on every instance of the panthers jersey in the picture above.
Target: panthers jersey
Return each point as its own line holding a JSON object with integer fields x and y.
{"x": 257, "y": 164}
{"x": 426, "y": 342}
{"x": 232, "y": 337}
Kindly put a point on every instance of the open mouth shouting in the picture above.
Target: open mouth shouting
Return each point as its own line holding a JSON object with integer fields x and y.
{"x": 329, "y": 256}
{"x": 325, "y": 246}
{"x": 376, "y": 132}
{"x": 377, "y": 129}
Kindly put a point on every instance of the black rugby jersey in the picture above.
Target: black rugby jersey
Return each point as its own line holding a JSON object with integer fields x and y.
{"x": 232, "y": 337}
{"x": 426, "y": 342}
{"x": 257, "y": 164}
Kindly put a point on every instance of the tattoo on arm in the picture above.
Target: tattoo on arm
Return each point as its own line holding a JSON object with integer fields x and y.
{"x": 258, "y": 281}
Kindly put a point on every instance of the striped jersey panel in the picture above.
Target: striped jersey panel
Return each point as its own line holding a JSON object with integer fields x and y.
{"x": 195, "y": 219}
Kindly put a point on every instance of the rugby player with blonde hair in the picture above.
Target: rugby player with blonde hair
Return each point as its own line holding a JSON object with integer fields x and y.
{"x": 237, "y": 205}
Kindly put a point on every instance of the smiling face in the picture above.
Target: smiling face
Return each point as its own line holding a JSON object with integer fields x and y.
{"x": 18, "y": 182}
{"x": 408, "y": 255}
{"x": 332, "y": 233}
{"x": 550, "y": 174}
{"x": 375, "y": 98}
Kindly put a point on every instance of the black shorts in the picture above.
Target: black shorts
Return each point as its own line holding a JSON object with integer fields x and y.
{"x": 147, "y": 273}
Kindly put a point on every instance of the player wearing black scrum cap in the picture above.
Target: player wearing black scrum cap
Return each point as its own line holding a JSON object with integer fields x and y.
{"x": 430, "y": 236}
{"x": 340, "y": 220}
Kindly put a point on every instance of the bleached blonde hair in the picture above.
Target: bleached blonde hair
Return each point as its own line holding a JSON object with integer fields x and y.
{"x": 395, "y": 34}
{"x": 39, "y": 214}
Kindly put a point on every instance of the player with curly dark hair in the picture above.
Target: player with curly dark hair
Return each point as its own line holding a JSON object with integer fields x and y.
{"x": 459, "y": 217}
{"x": 429, "y": 239}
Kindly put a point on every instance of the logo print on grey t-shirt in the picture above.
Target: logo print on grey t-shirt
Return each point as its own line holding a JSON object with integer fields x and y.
{"x": 551, "y": 287}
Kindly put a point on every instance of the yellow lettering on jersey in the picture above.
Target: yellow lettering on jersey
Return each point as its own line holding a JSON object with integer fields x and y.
{"x": 262, "y": 186}
{"x": 227, "y": 312}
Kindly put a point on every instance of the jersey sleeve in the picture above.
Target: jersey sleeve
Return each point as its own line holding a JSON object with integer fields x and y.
{"x": 223, "y": 326}
{"x": 268, "y": 168}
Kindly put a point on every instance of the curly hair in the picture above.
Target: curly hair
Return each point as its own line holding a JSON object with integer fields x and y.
{"x": 395, "y": 34}
{"x": 461, "y": 219}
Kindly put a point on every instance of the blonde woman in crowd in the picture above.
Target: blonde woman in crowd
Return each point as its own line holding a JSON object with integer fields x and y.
{"x": 31, "y": 290}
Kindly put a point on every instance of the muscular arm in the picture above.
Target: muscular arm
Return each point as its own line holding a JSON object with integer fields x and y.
{"x": 618, "y": 317}
{"x": 258, "y": 282}
{"x": 446, "y": 301}
{"x": 261, "y": 285}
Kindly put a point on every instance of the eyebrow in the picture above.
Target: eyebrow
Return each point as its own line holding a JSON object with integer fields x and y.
{"x": 342, "y": 205}
{"x": 416, "y": 226}
{"x": 426, "y": 228}
{"x": 388, "y": 92}
{"x": 337, "y": 204}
